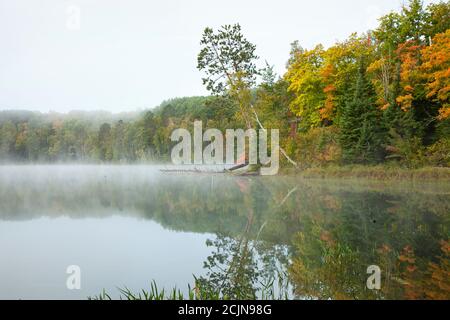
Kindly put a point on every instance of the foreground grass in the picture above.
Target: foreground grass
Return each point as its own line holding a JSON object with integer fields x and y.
{"x": 374, "y": 172}
{"x": 154, "y": 293}
{"x": 196, "y": 293}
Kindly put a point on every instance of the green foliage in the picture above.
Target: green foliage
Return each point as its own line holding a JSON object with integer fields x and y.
{"x": 317, "y": 147}
{"x": 408, "y": 152}
{"x": 225, "y": 57}
{"x": 228, "y": 60}
{"x": 102, "y": 137}
{"x": 382, "y": 94}
{"x": 438, "y": 153}
{"x": 156, "y": 294}
{"x": 232, "y": 269}
{"x": 438, "y": 18}
{"x": 361, "y": 136}
{"x": 324, "y": 235}
{"x": 386, "y": 80}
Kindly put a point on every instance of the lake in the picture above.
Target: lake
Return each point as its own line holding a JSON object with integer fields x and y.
{"x": 126, "y": 226}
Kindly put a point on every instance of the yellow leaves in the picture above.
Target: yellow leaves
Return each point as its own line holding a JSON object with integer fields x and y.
{"x": 444, "y": 113}
{"x": 305, "y": 82}
{"x": 377, "y": 65}
{"x": 320, "y": 78}
{"x": 405, "y": 102}
{"x": 425, "y": 68}
{"x": 437, "y": 54}
{"x": 442, "y": 94}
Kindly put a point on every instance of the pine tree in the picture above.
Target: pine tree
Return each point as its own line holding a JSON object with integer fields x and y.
{"x": 362, "y": 133}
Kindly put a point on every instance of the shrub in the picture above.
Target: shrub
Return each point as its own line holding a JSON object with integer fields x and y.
{"x": 438, "y": 154}
{"x": 317, "y": 147}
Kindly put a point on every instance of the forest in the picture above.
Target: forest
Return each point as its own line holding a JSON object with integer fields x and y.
{"x": 380, "y": 97}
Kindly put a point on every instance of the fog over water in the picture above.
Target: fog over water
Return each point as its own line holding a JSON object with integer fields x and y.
{"x": 128, "y": 225}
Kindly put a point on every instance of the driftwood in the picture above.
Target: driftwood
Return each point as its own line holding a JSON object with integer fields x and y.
{"x": 240, "y": 170}
{"x": 239, "y": 166}
{"x": 195, "y": 170}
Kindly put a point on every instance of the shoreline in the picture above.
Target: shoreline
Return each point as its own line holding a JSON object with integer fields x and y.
{"x": 346, "y": 172}
{"x": 380, "y": 172}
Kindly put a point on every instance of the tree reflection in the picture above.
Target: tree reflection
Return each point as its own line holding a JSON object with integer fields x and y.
{"x": 319, "y": 235}
{"x": 241, "y": 266}
{"x": 397, "y": 233}
{"x": 243, "y": 269}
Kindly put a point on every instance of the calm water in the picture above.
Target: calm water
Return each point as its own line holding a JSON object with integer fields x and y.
{"x": 129, "y": 225}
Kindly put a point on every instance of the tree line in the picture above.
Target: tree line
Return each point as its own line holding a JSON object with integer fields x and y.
{"x": 377, "y": 97}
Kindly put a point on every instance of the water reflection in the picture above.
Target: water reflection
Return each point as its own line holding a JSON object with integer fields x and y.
{"x": 320, "y": 236}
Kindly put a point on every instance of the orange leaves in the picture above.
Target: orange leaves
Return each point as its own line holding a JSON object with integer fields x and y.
{"x": 330, "y": 88}
{"x": 385, "y": 106}
{"x": 327, "y": 73}
{"x": 408, "y": 88}
{"x": 409, "y": 54}
{"x": 407, "y": 255}
{"x": 410, "y": 73}
{"x": 412, "y": 277}
{"x": 327, "y": 111}
{"x": 321, "y": 79}
{"x": 439, "y": 288}
{"x": 444, "y": 112}
{"x": 405, "y": 102}
{"x": 436, "y": 69}
{"x": 433, "y": 282}
{"x": 385, "y": 249}
{"x": 425, "y": 72}
{"x": 445, "y": 247}
{"x": 326, "y": 237}
{"x": 437, "y": 54}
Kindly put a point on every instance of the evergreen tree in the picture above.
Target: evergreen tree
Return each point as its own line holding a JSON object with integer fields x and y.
{"x": 362, "y": 134}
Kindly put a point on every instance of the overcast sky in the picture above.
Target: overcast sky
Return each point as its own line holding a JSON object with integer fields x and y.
{"x": 132, "y": 54}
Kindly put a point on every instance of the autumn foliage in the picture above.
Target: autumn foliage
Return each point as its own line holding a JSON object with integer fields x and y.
{"x": 436, "y": 70}
{"x": 406, "y": 62}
